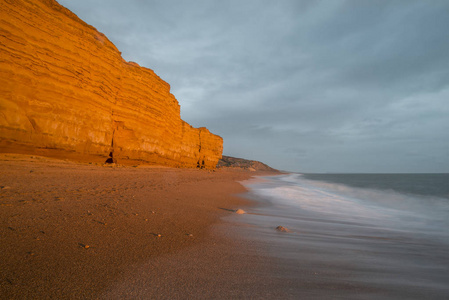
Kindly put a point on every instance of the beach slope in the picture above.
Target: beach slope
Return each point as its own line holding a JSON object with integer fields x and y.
{"x": 72, "y": 230}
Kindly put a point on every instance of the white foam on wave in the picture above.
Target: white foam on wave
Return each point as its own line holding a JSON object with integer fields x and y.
{"x": 343, "y": 202}
{"x": 319, "y": 200}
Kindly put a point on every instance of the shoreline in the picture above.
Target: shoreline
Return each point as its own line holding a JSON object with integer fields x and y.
{"x": 344, "y": 254}
{"x": 76, "y": 230}
{"x": 71, "y": 230}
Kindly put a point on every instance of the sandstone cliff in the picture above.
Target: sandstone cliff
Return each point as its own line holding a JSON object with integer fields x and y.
{"x": 64, "y": 87}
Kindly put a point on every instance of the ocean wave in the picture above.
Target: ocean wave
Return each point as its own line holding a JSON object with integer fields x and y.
{"x": 342, "y": 202}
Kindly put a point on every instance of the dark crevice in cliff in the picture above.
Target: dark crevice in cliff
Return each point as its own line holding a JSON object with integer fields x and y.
{"x": 198, "y": 164}
{"x": 111, "y": 159}
{"x": 34, "y": 125}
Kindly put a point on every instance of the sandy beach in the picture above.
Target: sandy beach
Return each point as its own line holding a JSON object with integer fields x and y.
{"x": 90, "y": 231}
{"x": 139, "y": 151}
{"x": 79, "y": 230}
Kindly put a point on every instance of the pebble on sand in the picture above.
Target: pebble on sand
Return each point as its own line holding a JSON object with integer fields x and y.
{"x": 240, "y": 211}
{"x": 282, "y": 229}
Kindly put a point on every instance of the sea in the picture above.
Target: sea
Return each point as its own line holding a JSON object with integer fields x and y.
{"x": 355, "y": 236}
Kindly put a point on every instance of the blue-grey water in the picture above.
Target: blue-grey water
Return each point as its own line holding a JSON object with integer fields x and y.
{"x": 357, "y": 236}
{"x": 436, "y": 185}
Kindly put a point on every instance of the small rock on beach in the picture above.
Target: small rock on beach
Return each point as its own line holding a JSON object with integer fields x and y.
{"x": 240, "y": 211}
{"x": 282, "y": 229}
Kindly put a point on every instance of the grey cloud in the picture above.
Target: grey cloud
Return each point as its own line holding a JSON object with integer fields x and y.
{"x": 353, "y": 86}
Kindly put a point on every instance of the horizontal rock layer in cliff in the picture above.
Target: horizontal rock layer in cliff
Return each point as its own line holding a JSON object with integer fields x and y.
{"x": 65, "y": 88}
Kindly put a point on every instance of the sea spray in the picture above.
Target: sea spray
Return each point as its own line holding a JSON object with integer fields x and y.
{"x": 386, "y": 208}
{"x": 367, "y": 237}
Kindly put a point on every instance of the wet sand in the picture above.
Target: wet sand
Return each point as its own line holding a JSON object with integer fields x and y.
{"x": 328, "y": 256}
{"x": 78, "y": 230}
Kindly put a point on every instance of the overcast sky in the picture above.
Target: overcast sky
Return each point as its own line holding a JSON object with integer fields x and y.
{"x": 306, "y": 86}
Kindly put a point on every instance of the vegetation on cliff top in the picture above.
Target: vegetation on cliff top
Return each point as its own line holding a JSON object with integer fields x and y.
{"x": 250, "y": 165}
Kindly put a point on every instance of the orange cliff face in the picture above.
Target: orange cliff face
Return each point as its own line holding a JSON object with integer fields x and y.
{"x": 64, "y": 88}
